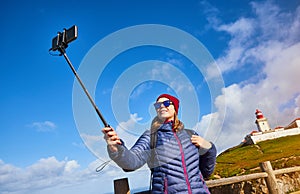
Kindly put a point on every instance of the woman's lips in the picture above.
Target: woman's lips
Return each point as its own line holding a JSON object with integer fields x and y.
{"x": 163, "y": 111}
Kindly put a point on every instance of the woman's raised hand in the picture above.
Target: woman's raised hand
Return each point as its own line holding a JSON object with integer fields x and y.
{"x": 112, "y": 138}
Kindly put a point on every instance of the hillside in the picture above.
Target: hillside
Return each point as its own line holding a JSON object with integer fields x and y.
{"x": 240, "y": 160}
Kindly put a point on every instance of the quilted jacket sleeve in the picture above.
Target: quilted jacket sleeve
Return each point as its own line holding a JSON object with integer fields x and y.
{"x": 207, "y": 161}
{"x": 134, "y": 158}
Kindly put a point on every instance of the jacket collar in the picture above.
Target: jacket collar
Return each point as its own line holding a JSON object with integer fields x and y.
{"x": 166, "y": 126}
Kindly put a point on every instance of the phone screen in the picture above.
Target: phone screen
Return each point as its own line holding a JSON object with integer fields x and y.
{"x": 71, "y": 34}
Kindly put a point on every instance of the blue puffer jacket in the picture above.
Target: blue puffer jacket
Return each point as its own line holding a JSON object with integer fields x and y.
{"x": 177, "y": 168}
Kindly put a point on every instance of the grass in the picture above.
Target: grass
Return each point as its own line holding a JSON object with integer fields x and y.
{"x": 282, "y": 153}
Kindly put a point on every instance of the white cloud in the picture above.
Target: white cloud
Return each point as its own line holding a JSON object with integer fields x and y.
{"x": 127, "y": 125}
{"x": 126, "y": 130}
{"x": 275, "y": 23}
{"x": 45, "y": 173}
{"x": 248, "y": 35}
{"x": 49, "y": 175}
{"x": 272, "y": 39}
{"x": 171, "y": 75}
{"x": 91, "y": 139}
{"x": 141, "y": 89}
{"x": 44, "y": 126}
{"x": 241, "y": 32}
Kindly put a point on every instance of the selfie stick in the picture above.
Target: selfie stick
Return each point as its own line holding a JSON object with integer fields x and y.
{"x": 60, "y": 43}
{"x": 83, "y": 87}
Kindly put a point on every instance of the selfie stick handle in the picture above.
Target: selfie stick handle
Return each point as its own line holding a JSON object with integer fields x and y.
{"x": 62, "y": 51}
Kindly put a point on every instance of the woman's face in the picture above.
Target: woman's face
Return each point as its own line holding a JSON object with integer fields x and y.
{"x": 165, "y": 113}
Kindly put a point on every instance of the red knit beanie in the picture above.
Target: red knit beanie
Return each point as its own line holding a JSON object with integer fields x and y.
{"x": 173, "y": 99}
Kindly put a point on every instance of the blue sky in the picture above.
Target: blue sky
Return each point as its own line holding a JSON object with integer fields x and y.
{"x": 242, "y": 55}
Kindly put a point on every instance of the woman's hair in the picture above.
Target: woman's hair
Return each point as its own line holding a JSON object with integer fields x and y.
{"x": 156, "y": 123}
{"x": 178, "y": 125}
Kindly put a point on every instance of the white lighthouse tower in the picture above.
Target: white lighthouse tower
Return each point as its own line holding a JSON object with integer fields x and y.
{"x": 261, "y": 122}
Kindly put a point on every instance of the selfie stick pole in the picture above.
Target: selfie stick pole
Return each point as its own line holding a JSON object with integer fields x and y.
{"x": 63, "y": 52}
{"x": 60, "y": 43}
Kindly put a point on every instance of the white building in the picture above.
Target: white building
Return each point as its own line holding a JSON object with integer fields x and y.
{"x": 266, "y": 133}
{"x": 262, "y": 122}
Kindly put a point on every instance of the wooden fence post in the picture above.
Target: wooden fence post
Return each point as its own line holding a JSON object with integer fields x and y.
{"x": 271, "y": 179}
{"x": 121, "y": 186}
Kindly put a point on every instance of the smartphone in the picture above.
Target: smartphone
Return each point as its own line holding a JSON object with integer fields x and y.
{"x": 64, "y": 37}
{"x": 71, "y": 34}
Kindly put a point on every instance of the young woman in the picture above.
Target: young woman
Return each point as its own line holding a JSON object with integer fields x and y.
{"x": 179, "y": 160}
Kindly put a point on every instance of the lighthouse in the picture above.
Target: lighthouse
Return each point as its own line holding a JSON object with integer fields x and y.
{"x": 266, "y": 133}
{"x": 261, "y": 122}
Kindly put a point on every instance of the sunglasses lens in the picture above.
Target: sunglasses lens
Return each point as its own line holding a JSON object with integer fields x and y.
{"x": 166, "y": 103}
{"x": 157, "y": 105}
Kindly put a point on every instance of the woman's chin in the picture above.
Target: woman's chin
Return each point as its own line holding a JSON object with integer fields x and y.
{"x": 165, "y": 117}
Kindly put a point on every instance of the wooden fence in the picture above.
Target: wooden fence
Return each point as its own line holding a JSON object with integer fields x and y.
{"x": 121, "y": 185}
{"x": 267, "y": 172}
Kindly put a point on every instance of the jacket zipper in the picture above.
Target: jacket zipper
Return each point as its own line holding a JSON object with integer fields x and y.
{"x": 165, "y": 186}
{"x": 183, "y": 164}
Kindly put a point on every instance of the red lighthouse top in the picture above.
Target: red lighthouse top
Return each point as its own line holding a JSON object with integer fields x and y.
{"x": 259, "y": 114}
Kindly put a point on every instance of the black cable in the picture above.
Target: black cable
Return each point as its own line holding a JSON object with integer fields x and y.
{"x": 102, "y": 166}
